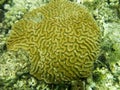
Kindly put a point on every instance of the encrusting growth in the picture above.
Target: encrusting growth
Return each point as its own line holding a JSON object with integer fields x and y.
{"x": 61, "y": 38}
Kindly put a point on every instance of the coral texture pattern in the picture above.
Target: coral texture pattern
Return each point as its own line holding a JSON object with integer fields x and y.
{"x": 61, "y": 38}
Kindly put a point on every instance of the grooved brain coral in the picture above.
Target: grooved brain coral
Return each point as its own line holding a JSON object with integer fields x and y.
{"x": 61, "y": 38}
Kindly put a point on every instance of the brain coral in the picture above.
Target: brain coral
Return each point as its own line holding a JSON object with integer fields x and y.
{"x": 61, "y": 38}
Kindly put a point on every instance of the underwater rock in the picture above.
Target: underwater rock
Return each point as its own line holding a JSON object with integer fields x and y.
{"x": 106, "y": 75}
{"x": 1, "y": 15}
{"x": 2, "y": 2}
{"x": 12, "y": 65}
{"x": 2, "y": 44}
{"x": 62, "y": 40}
{"x": 17, "y": 8}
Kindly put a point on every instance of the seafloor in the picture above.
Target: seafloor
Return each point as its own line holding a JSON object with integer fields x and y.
{"x": 14, "y": 74}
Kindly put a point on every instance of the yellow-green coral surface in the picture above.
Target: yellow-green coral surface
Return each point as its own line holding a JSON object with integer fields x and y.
{"x": 61, "y": 38}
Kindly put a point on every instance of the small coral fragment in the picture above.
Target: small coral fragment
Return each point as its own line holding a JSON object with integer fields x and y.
{"x": 61, "y": 38}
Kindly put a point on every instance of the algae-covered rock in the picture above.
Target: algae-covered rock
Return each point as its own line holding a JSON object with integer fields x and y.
{"x": 112, "y": 41}
{"x": 17, "y": 8}
{"x": 12, "y": 64}
{"x": 2, "y": 2}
